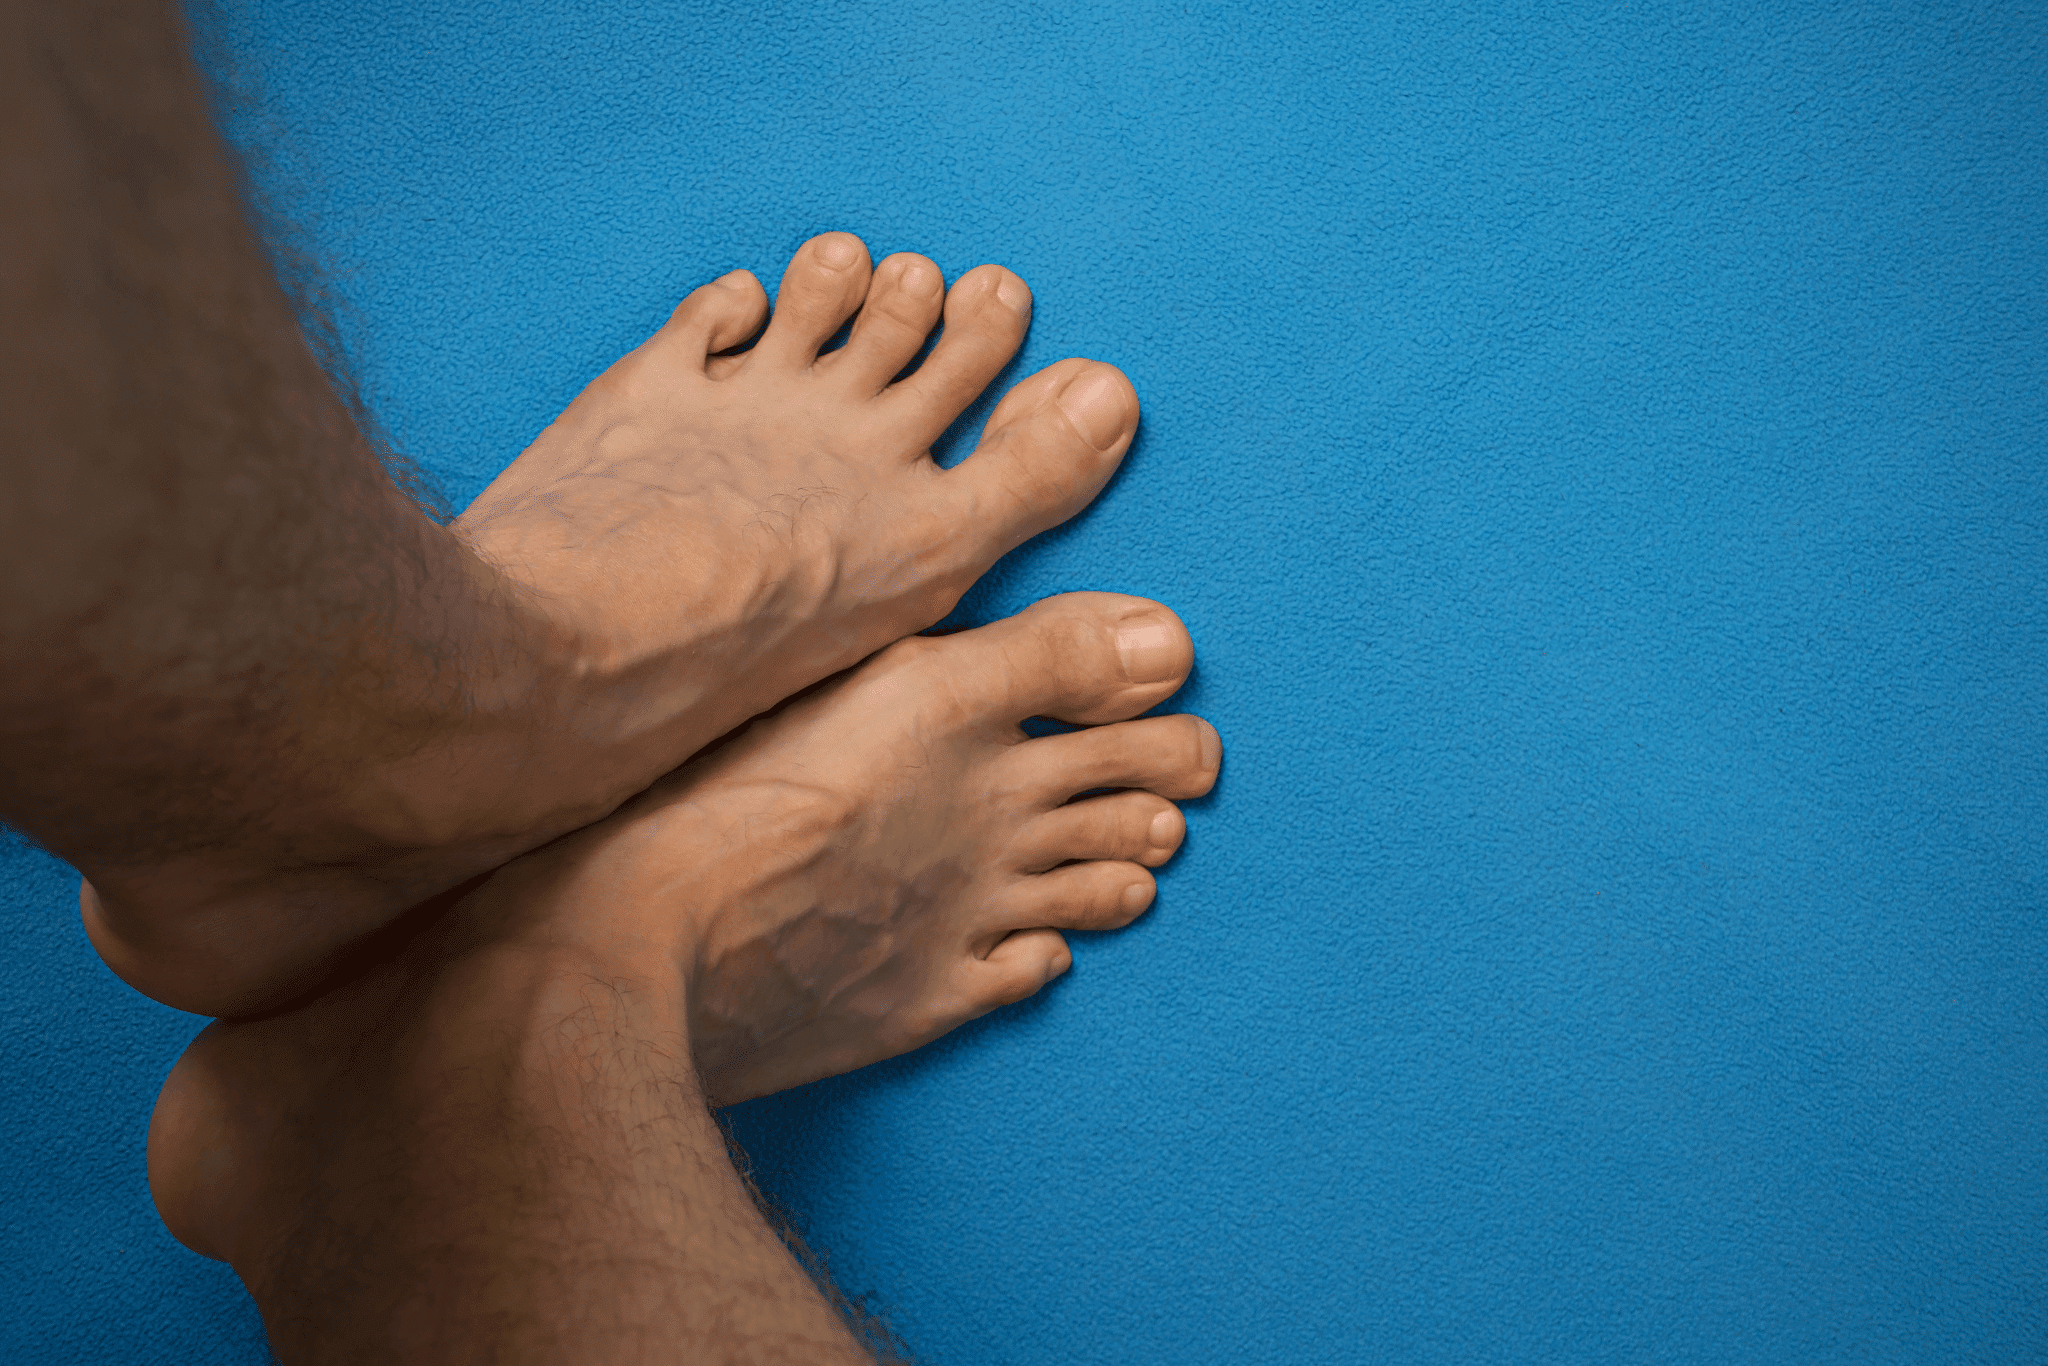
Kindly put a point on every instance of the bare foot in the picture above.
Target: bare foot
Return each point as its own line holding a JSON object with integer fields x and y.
{"x": 700, "y": 536}
{"x": 722, "y": 531}
{"x": 891, "y": 857}
{"x": 846, "y": 880}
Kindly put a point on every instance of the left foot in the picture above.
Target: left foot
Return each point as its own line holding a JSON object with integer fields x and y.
{"x": 702, "y": 535}
{"x": 723, "y": 530}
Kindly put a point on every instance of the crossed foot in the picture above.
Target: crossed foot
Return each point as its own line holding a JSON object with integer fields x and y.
{"x": 737, "y": 527}
{"x": 879, "y": 862}
{"x": 521, "y": 1071}
{"x": 699, "y": 536}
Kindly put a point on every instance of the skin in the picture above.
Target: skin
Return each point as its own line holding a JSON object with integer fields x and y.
{"x": 266, "y": 705}
{"x": 262, "y": 701}
{"x": 496, "y": 1146}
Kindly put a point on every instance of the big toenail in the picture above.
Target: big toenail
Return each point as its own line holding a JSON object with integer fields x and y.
{"x": 1148, "y": 651}
{"x": 1136, "y": 895}
{"x": 1095, "y": 404}
{"x": 836, "y": 253}
{"x": 1010, "y": 292}
{"x": 1162, "y": 831}
{"x": 919, "y": 281}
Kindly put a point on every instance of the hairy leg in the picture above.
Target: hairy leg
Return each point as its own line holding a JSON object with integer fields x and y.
{"x": 501, "y": 1156}
{"x": 473, "y": 1126}
{"x": 261, "y": 701}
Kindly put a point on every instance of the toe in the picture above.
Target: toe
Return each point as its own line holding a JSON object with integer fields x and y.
{"x": 987, "y": 311}
{"x": 1016, "y": 967}
{"x": 1173, "y": 756}
{"x": 825, "y": 283}
{"x": 901, "y": 310}
{"x": 714, "y": 317}
{"x": 1048, "y": 449}
{"x": 1081, "y": 657}
{"x": 1081, "y": 896}
{"x": 1137, "y": 827}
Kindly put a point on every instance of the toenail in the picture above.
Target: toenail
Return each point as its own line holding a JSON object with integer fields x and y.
{"x": 1136, "y": 895}
{"x": 919, "y": 280}
{"x": 836, "y": 253}
{"x": 1150, "y": 650}
{"x": 1095, "y": 403}
{"x": 1162, "y": 831}
{"x": 1012, "y": 294}
{"x": 1212, "y": 748}
{"x": 735, "y": 279}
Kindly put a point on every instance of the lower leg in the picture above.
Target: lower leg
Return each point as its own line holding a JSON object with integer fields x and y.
{"x": 495, "y": 1154}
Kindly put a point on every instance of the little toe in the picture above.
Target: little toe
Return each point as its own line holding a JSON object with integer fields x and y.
{"x": 1175, "y": 757}
{"x": 1015, "y": 967}
{"x": 1048, "y": 449}
{"x": 1136, "y": 827}
{"x": 987, "y": 312}
{"x": 825, "y": 283}
{"x": 721, "y": 314}
{"x": 902, "y": 308}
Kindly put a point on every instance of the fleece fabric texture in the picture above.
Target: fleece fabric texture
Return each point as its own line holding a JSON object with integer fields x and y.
{"x": 1602, "y": 456}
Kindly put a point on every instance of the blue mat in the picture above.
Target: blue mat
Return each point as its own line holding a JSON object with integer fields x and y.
{"x": 1602, "y": 457}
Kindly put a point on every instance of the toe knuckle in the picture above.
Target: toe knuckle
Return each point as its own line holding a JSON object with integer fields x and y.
{"x": 908, "y": 313}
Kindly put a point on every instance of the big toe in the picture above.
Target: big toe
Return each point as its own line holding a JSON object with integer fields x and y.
{"x": 1048, "y": 449}
{"x": 1081, "y": 657}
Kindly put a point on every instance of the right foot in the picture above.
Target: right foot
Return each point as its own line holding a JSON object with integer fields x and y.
{"x": 844, "y": 881}
{"x": 891, "y": 857}
{"x": 721, "y": 531}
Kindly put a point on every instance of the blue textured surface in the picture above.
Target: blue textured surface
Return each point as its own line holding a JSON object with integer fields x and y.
{"x": 1603, "y": 460}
